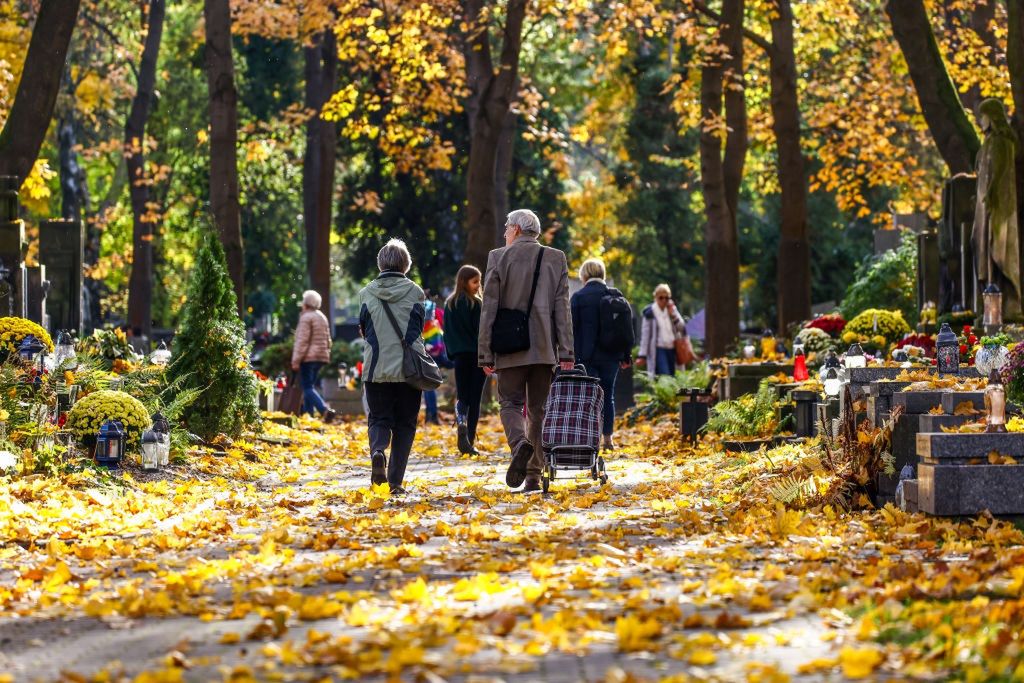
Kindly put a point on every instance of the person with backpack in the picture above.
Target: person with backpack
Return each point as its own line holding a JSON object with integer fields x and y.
{"x": 525, "y": 332}
{"x": 461, "y": 329}
{"x": 662, "y": 326}
{"x": 602, "y": 331}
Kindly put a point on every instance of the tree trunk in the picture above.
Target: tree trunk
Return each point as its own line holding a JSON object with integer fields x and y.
{"x": 503, "y": 173}
{"x": 29, "y": 118}
{"x": 320, "y": 273}
{"x": 491, "y": 98}
{"x": 794, "y": 256}
{"x": 140, "y": 286}
{"x": 311, "y": 158}
{"x": 950, "y": 127}
{"x": 220, "y": 78}
{"x": 720, "y": 181}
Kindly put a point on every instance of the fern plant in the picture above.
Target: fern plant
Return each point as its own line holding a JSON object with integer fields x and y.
{"x": 752, "y": 415}
{"x": 660, "y": 395}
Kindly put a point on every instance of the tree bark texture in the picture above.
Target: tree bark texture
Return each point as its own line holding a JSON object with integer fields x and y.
{"x": 503, "y": 172}
{"x": 947, "y": 120}
{"x": 224, "y": 200}
{"x": 140, "y": 285}
{"x": 29, "y": 118}
{"x": 492, "y": 95}
{"x": 794, "y": 256}
{"x": 319, "y": 168}
{"x": 720, "y": 180}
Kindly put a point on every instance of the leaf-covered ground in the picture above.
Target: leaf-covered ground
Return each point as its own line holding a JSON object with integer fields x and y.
{"x": 278, "y": 562}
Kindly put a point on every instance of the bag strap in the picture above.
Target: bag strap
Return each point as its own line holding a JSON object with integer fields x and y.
{"x": 394, "y": 323}
{"x": 536, "y": 277}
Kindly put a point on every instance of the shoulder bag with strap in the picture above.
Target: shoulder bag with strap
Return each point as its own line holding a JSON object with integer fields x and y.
{"x": 419, "y": 370}
{"x": 510, "y": 332}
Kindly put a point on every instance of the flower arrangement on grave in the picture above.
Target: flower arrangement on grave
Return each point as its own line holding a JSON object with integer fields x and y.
{"x": 922, "y": 344}
{"x": 876, "y": 326}
{"x": 13, "y": 330}
{"x": 1012, "y": 374}
{"x": 113, "y": 348}
{"x": 90, "y": 412}
{"x": 968, "y": 341}
{"x": 815, "y": 340}
{"x": 830, "y": 323}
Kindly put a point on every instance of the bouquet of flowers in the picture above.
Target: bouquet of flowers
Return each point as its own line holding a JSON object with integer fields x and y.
{"x": 830, "y": 323}
{"x": 922, "y": 341}
{"x": 967, "y": 343}
{"x": 1012, "y": 375}
{"x": 815, "y": 340}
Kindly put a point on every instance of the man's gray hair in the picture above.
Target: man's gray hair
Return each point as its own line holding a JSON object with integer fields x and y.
{"x": 526, "y": 220}
{"x": 394, "y": 257}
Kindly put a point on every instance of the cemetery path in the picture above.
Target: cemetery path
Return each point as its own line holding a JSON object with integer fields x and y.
{"x": 276, "y": 561}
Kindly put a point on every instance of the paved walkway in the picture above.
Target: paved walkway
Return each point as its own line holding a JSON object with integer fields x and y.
{"x": 284, "y": 565}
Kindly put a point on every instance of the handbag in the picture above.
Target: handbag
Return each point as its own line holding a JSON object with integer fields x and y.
{"x": 510, "y": 331}
{"x": 684, "y": 352}
{"x": 291, "y": 396}
{"x": 419, "y": 369}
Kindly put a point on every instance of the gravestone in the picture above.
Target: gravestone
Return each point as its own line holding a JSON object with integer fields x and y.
{"x": 61, "y": 250}
{"x": 955, "y": 255}
{"x": 928, "y": 267}
{"x": 13, "y": 278}
{"x": 38, "y": 287}
{"x": 955, "y": 476}
{"x": 745, "y": 378}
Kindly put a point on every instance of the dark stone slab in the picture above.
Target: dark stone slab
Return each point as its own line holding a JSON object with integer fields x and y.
{"x": 952, "y": 448}
{"x": 869, "y": 375}
{"x": 970, "y": 489}
{"x": 760, "y": 370}
{"x": 935, "y": 423}
{"x": 910, "y": 495}
{"x": 917, "y": 402}
{"x": 951, "y": 399}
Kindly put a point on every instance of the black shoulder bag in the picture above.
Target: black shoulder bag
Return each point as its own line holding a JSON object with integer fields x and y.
{"x": 510, "y": 332}
{"x": 419, "y": 370}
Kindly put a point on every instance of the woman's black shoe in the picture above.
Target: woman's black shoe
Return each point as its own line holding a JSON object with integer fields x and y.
{"x": 378, "y": 468}
{"x": 465, "y": 447}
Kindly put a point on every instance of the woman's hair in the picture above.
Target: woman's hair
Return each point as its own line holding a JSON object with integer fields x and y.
{"x": 662, "y": 288}
{"x": 394, "y": 257}
{"x": 462, "y": 278}
{"x": 592, "y": 268}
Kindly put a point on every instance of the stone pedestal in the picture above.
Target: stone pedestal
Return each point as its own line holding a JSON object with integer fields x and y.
{"x": 949, "y": 484}
{"x": 916, "y": 405}
{"x": 951, "y": 399}
{"x": 880, "y": 395}
{"x": 37, "y": 290}
{"x": 745, "y": 378}
{"x": 61, "y": 250}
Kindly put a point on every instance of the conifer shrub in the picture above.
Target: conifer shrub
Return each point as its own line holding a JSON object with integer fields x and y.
{"x": 211, "y": 354}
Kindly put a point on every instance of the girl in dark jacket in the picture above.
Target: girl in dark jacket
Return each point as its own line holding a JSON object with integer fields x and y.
{"x": 461, "y": 328}
{"x": 585, "y": 305}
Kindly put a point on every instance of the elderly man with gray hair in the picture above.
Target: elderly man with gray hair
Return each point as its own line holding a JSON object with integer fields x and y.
{"x": 525, "y": 331}
{"x": 390, "y": 318}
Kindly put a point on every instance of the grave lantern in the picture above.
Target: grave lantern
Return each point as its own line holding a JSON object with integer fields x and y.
{"x": 30, "y": 351}
{"x": 800, "y": 373}
{"x": 110, "y": 443}
{"x": 832, "y": 383}
{"x": 749, "y": 350}
{"x": 162, "y": 429}
{"x": 150, "y": 451}
{"x": 804, "y": 410}
{"x": 947, "y": 351}
{"x": 995, "y": 404}
{"x": 693, "y": 412}
{"x": 855, "y": 357}
{"x": 992, "y": 317}
{"x": 64, "y": 354}
{"x": 162, "y": 356}
{"x": 768, "y": 344}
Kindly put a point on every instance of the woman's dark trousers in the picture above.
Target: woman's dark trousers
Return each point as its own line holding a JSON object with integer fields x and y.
{"x": 394, "y": 407}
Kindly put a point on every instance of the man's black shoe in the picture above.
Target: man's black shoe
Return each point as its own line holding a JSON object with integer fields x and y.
{"x": 516, "y": 474}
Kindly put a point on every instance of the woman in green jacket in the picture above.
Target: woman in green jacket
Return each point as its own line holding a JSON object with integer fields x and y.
{"x": 461, "y": 327}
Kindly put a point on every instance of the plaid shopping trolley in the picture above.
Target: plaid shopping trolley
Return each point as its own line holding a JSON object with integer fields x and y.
{"x": 571, "y": 434}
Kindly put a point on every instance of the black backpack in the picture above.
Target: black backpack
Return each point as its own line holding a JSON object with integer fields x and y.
{"x": 616, "y": 318}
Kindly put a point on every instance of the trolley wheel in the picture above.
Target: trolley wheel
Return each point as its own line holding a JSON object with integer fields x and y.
{"x": 602, "y": 470}
{"x": 545, "y": 483}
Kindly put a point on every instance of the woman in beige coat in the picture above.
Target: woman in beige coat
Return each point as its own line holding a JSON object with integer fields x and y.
{"x": 312, "y": 350}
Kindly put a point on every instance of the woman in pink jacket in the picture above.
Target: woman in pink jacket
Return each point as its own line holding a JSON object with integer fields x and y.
{"x": 312, "y": 350}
